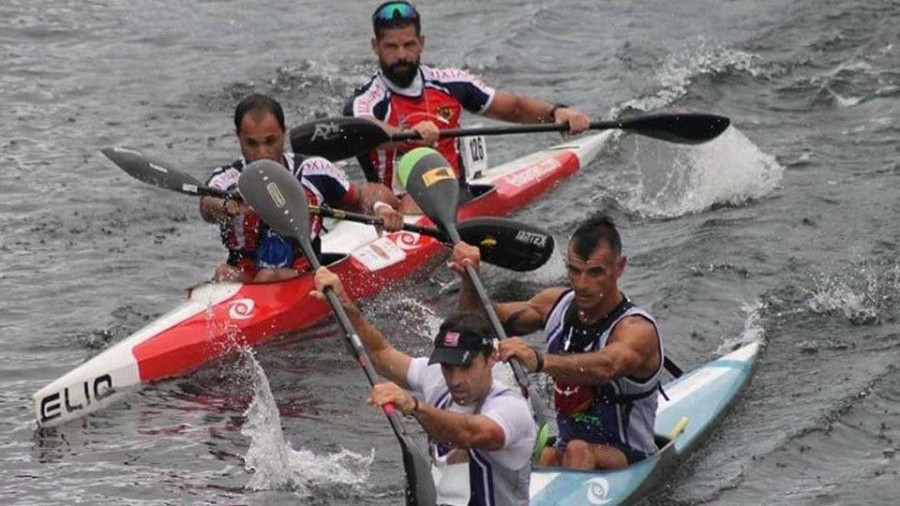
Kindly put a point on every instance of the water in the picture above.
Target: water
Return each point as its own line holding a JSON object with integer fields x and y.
{"x": 784, "y": 230}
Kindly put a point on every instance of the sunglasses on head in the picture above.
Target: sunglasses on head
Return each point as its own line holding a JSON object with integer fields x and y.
{"x": 395, "y": 10}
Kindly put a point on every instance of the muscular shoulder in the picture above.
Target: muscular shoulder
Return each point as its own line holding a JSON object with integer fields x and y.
{"x": 641, "y": 336}
{"x": 637, "y": 324}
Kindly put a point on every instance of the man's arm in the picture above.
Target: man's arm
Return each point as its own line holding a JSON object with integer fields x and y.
{"x": 457, "y": 429}
{"x": 217, "y": 210}
{"x": 370, "y": 198}
{"x": 460, "y": 430}
{"x": 389, "y": 362}
{"x": 633, "y": 350}
{"x": 371, "y": 193}
{"x": 518, "y": 318}
{"x": 515, "y": 108}
{"x": 212, "y": 209}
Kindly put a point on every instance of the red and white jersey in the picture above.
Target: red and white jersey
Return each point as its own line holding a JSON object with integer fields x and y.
{"x": 324, "y": 184}
{"x": 438, "y": 95}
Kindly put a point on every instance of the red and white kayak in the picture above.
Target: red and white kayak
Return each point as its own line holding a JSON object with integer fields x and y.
{"x": 218, "y": 317}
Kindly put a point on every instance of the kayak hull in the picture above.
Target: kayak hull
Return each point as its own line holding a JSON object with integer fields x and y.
{"x": 218, "y": 317}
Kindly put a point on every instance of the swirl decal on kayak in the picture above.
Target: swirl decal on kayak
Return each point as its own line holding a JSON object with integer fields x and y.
{"x": 241, "y": 309}
{"x": 598, "y": 491}
{"x": 406, "y": 240}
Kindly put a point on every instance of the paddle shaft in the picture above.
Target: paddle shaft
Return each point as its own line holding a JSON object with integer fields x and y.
{"x": 280, "y": 199}
{"x": 518, "y": 370}
{"x": 352, "y": 339}
{"x": 511, "y": 129}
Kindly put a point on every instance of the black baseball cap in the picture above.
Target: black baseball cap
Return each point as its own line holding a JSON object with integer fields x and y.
{"x": 454, "y": 347}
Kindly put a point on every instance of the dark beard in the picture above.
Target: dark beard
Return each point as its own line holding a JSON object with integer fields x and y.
{"x": 402, "y": 73}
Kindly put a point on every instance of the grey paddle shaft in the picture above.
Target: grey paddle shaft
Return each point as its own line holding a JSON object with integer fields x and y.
{"x": 518, "y": 370}
{"x": 353, "y": 341}
{"x": 417, "y": 493}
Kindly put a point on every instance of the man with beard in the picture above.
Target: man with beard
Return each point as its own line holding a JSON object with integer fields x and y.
{"x": 406, "y": 95}
{"x": 603, "y": 352}
{"x": 256, "y": 252}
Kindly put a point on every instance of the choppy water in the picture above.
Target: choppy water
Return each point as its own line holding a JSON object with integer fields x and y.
{"x": 785, "y": 230}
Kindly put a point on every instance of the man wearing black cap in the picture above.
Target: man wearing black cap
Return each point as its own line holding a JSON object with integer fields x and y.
{"x": 459, "y": 404}
{"x": 406, "y": 95}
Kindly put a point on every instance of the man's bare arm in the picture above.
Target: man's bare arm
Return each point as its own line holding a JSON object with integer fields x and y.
{"x": 460, "y": 430}
{"x": 633, "y": 350}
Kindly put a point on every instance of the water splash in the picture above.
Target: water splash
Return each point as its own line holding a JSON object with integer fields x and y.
{"x": 864, "y": 295}
{"x": 831, "y": 295}
{"x": 275, "y": 464}
{"x": 420, "y": 321}
{"x": 673, "y": 180}
{"x": 753, "y": 332}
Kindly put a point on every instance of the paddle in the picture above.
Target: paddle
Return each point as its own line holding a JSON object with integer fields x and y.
{"x": 339, "y": 138}
{"x": 431, "y": 182}
{"x": 281, "y": 201}
{"x": 502, "y": 242}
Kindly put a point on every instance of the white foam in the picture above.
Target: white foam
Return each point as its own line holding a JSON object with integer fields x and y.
{"x": 753, "y": 331}
{"x": 275, "y": 464}
{"x": 677, "y": 180}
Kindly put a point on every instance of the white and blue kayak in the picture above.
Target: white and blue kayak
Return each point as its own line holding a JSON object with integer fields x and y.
{"x": 695, "y": 402}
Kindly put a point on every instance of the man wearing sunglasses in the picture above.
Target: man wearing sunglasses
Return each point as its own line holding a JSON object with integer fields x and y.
{"x": 407, "y": 95}
{"x": 604, "y": 353}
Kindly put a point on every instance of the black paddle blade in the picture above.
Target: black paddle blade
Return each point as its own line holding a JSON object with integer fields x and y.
{"x": 337, "y": 138}
{"x": 683, "y": 128}
{"x": 507, "y": 243}
{"x": 420, "y": 489}
{"x": 432, "y": 184}
{"x": 278, "y": 197}
{"x": 153, "y": 171}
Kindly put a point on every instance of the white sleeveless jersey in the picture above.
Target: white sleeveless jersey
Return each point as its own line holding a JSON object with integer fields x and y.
{"x": 625, "y": 403}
